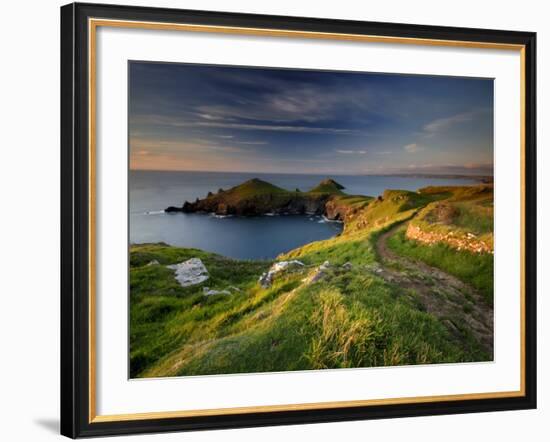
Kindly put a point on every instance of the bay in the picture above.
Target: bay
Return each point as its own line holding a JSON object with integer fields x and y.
{"x": 150, "y": 192}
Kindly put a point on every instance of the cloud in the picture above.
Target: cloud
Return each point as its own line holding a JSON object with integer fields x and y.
{"x": 413, "y": 148}
{"x": 274, "y": 128}
{"x": 352, "y": 152}
{"x": 252, "y": 143}
{"x": 211, "y": 117}
{"x": 479, "y": 166}
{"x": 442, "y": 124}
{"x": 151, "y": 147}
{"x": 177, "y": 122}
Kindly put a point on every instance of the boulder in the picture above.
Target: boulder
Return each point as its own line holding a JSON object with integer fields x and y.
{"x": 266, "y": 279}
{"x": 317, "y": 276}
{"x": 209, "y": 292}
{"x": 347, "y": 266}
{"x": 324, "y": 266}
{"x": 190, "y": 272}
{"x": 319, "y": 273}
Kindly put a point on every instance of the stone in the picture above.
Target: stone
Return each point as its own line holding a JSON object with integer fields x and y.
{"x": 317, "y": 276}
{"x": 209, "y": 292}
{"x": 320, "y": 273}
{"x": 347, "y": 266}
{"x": 324, "y": 266}
{"x": 266, "y": 279}
{"x": 190, "y": 272}
{"x": 154, "y": 262}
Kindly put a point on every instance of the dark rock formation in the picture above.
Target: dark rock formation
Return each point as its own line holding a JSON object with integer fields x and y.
{"x": 256, "y": 197}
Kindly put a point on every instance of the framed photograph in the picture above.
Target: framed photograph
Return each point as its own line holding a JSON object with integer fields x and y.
{"x": 279, "y": 220}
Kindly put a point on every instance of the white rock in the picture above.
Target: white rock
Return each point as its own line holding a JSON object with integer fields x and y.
{"x": 154, "y": 262}
{"x": 266, "y": 279}
{"x": 283, "y": 265}
{"x": 324, "y": 266}
{"x": 190, "y": 272}
{"x": 209, "y": 292}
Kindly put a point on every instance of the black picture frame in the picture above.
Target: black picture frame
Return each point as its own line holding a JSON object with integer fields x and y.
{"x": 75, "y": 220}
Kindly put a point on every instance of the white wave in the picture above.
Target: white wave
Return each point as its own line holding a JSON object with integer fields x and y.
{"x": 327, "y": 220}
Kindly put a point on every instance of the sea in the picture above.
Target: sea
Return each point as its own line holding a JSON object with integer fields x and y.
{"x": 263, "y": 237}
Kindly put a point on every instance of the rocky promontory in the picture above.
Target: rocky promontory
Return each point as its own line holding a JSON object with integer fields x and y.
{"x": 257, "y": 197}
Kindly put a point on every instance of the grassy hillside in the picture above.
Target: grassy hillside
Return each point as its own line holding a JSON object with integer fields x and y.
{"x": 466, "y": 214}
{"x": 257, "y": 197}
{"x": 249, "y": 189}
{"x": 328, "y": 186}
{"x": 355, "y": 314}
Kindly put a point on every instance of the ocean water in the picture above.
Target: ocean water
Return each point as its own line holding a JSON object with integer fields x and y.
{"x": 150, "y": 192}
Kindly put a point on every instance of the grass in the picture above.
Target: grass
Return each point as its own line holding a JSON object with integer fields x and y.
{"x": 328, "y": 186}
{"x": 163, "y": 314}
{"x": 350, "y": 318}
{"x": 472, "y": 268}
{"x": 251, "y": 188}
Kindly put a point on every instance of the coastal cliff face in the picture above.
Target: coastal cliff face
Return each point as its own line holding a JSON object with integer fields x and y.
{"x": 256, "y": 197}
{"x": 260, "y": 205}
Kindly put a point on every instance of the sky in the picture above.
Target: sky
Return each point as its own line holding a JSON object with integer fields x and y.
{"x": 270, "y": 120}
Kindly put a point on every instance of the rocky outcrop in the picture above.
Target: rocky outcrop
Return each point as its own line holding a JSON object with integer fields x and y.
{"x": 256, "y": 205}
{"x": 190, "y": 272}
{"x": 266, "y": 279}
{"x": 319, "y": 273}
{"x": 256, "y": 197}
{"x": 339, "y": 209}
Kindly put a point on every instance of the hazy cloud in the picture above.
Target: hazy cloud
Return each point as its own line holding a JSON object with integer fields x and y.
{"x": 352, "y": 152}
{"x": 413, "y": 148}
{"x": 252, "y": 143}
{"x": 442, "y": 124}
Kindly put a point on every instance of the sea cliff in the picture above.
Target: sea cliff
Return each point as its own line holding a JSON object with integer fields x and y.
{"x": 257, "y": 197}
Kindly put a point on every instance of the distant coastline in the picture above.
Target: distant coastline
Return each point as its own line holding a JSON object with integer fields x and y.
{"x": 481, "y": 178}
{"x": 484, "y": 178}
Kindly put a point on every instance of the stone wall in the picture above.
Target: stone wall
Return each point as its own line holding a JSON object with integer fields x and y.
{"x": 457, "y": 240}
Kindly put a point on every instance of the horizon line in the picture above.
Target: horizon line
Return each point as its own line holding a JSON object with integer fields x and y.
{"x": 396, "y": 173}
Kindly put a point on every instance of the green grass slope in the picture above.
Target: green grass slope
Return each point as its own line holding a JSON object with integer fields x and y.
{"x": 328, "y": 186}
{"x": 249, "y": 189}
{"x": 350, "y": 318}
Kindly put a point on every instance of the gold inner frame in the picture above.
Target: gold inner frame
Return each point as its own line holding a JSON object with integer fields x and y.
{"x": 93, "y": 24}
